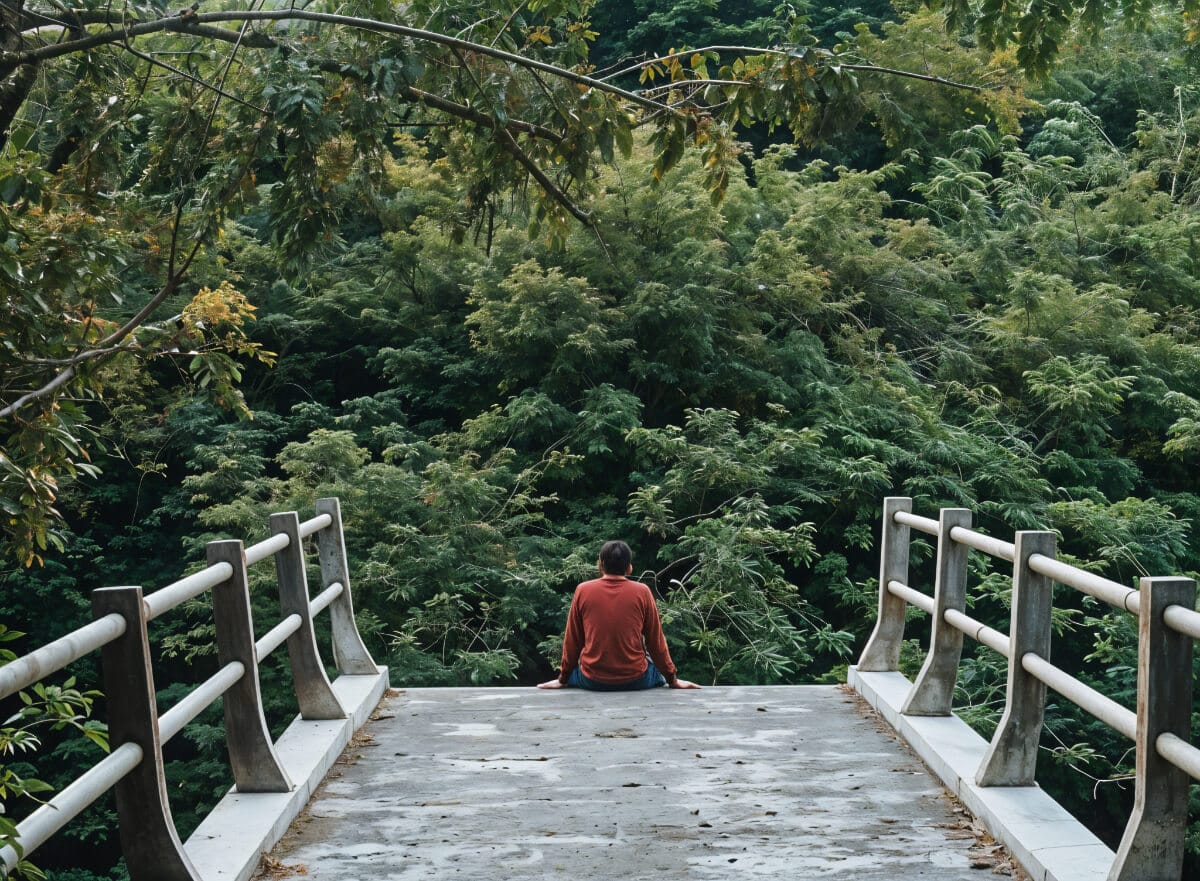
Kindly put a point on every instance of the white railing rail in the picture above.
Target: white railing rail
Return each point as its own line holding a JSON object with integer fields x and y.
{"x": 134, "y": 767}
{"x": 1152, "y": 847}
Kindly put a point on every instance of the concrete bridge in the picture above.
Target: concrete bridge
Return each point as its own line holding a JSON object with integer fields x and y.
{"x": 802, "y": 781}
{"x": 747, "y": 782}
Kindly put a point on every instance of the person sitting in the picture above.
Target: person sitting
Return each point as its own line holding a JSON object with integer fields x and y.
{"x": 614, "y": 639}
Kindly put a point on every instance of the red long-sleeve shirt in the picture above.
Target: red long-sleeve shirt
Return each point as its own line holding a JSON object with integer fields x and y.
{"x": 612, "y": 624}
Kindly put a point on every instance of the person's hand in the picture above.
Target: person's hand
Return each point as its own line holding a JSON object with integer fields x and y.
{"x": 553, "y": 683}
{"x": 683, "y": 683}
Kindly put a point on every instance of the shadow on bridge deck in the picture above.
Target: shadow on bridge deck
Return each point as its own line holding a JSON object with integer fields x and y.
{"x": 505, "y": 783}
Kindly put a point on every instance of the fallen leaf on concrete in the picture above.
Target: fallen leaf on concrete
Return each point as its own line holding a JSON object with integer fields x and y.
{"x": 273, "y": 868}
{"x": 987, "y": 853}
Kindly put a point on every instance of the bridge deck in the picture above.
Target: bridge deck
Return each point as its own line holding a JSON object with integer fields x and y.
{"x": 724, "y": 783}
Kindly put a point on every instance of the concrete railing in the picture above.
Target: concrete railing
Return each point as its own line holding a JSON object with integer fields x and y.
{"x": 134, "y": 767}
{"x": 1152, "y": 847}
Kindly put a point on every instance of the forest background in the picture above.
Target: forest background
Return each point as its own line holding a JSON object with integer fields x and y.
{"x": 987, "y": 299}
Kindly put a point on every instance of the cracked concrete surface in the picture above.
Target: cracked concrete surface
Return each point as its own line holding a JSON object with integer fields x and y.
{"x": 724, "y": 783}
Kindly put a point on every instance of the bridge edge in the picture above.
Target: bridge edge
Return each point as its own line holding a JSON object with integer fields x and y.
{"x": 1047, "y": 842}
{"x": 247, "y": 825}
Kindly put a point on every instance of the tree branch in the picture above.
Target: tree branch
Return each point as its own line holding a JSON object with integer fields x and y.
{"x": 825, "y": 53}
{"x": 108, "y": 346}
{"x": 509, "y": 20}
{"x": 506, "y": 140}
{"x": 679, "y": 84}
{"x": 33, "y": 21}
{"x": 688, "y": 53}
{"x": 891, "y": 71}
{"x": 192, "y": 22}
{"x": 193, "y": 78}
{"x": 56, "y": 383}
{"x": 172, "y": 284}
{"x": 256, "y": 40}
{"x": 263, "y": 41}
{"x": 472, "y": 115}
{"x": 80, "y": 356}
{"x": 509, "y": 143}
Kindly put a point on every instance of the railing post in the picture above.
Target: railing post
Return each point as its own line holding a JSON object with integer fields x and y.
{"x": 882, "y": 651}
{"x": 1152, "y": 846}
{"x": 349, "y": 653}
{"x": 1011, "y": 758}
{"x": 314, "y": 694}
{"x": 932, "y": 693}
{"x": 149, "y": 841}
{"x": 256, "y": 767}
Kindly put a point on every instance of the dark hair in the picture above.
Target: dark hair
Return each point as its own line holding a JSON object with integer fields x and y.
{"x": 615, "y": 558}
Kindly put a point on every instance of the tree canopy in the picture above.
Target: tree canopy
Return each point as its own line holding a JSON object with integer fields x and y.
{"x": 131, "y": 135}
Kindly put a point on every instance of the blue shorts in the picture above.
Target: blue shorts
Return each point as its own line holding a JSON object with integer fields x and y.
{"x": 650, "y": 679}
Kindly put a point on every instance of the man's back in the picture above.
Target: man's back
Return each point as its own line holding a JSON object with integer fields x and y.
{"x": 610, "y": 617}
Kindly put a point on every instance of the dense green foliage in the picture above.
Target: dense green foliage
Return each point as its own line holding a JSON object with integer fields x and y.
{"x": 1001, "y": 310}
{"x": 121, "y": 169}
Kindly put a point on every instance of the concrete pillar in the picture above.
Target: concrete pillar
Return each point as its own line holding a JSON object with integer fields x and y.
{"x": 256, "y": 767}
{"x": 349, "y": 653}
{"x": 313, "y": 691}
{"x": 933, "y": 692}
{"x": 1011, "y": 759}
{"x": 1152, "y": 846}
{"x": 882, "y": 652}
{"x": 152, "y": 849}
